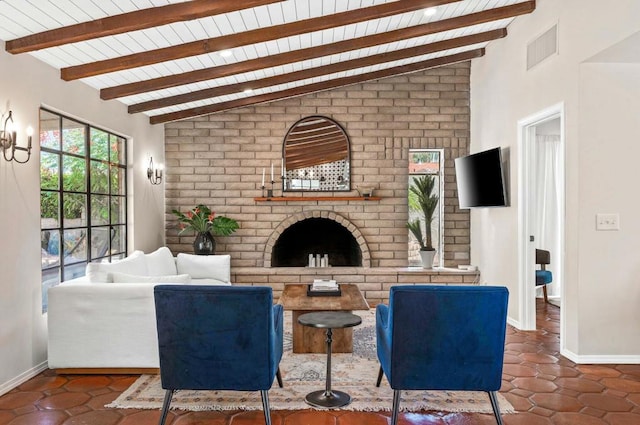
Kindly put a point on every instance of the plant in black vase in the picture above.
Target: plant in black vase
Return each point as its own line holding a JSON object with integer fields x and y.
{"x": 205, "y": 224}
{"x": 422, "y": 199}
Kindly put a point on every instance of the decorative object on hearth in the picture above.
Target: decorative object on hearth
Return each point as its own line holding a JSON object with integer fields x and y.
{"x": 422, "y": 199}
{"x": 205, "y": 224}
{"x": 9, "y": 140}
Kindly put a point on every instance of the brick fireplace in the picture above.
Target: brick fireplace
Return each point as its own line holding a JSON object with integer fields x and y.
{"x": 316, "y": 232}
{"x": 218, "y": 160}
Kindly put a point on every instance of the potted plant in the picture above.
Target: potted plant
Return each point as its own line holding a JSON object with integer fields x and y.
{"x": 205, "y": 224}
{"x": 421, "y": 199}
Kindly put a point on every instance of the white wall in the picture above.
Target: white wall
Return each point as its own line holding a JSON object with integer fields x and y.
{"x": 595, "y": 328}
{"x": 609, "y": 295}
{"x": 25, "y": 85}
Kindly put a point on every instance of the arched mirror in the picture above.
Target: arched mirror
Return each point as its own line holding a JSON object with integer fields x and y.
{"x": 316, "y": 156}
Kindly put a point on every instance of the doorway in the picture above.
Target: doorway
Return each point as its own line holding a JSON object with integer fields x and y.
{"x": 541, "y": 216}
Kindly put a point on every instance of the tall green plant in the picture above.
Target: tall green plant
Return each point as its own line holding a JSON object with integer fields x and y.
{"x": 422, "y": 199}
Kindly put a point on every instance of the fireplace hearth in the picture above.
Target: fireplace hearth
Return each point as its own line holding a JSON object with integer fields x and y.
{"x": 316, "y": 236}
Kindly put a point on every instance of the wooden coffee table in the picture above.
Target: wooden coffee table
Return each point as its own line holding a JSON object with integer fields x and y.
{"x": 312, "y": 340}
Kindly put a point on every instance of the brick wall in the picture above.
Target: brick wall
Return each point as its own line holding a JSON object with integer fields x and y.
{"x": 218, "y": 160}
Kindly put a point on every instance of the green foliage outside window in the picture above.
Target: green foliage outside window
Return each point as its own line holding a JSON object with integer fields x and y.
{"x": 74, "y": 176}
{"x": 82, "y": 197}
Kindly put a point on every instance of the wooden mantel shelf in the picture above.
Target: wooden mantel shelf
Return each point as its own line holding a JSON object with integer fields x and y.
{"x": 316, "y": 198}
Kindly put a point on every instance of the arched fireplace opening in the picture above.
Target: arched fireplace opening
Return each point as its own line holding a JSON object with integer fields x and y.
{"x": 316, "y": 236}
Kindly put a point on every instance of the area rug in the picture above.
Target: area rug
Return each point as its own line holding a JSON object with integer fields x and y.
{"x": 354, "y": 374}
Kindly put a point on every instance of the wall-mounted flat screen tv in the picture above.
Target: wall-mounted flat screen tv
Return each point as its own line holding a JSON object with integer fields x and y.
{"x": 480, "y": 179}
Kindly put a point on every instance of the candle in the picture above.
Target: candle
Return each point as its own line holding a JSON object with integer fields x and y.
{"x": 272, "y": 172}
{"x": 262, "y": 176}
{"x": 282, "y": 168}
{"x": 29, "y": 136}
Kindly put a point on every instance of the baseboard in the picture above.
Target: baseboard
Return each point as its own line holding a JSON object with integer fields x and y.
{"x": 5, "y": 387}
{"x": 108, "y": 371}
{"x": 513, "y": 322}
{"x": 600, "y": 359}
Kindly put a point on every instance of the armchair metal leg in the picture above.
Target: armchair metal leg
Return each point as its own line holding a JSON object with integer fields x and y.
{"x": 265, "y": 406}
{"x": 396, "y": 407}
{"x": 165, "y": 406}
{"x": 380, "y": 374}
{"x": 494, "y": 405}
{"x": 279, "y": 377}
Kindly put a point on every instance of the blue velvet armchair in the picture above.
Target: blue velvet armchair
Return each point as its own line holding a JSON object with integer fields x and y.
{"x": 218, "y": 338}
{"x": 433, "y": 337}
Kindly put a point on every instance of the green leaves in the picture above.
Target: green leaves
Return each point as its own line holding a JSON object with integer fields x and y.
{"x": 202, "y": 219}
{"x": 422, "y": 199}
{"x": 416, "y": 230}
{"x": 224, "y": 226}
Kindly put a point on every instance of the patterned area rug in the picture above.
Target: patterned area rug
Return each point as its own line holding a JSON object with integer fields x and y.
{"x": 354, "y": 374}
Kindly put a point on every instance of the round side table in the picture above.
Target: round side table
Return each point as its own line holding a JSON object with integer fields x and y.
{"x": 329, "y": 320}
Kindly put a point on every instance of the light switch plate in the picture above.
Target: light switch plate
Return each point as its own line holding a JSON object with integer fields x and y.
{"x": 608, "y": 221}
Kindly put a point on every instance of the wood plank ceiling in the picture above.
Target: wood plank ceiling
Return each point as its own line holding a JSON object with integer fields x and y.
{"x": 175, "y": 59}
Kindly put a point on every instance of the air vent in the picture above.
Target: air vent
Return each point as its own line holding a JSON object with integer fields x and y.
{"x": 542, "y": 47}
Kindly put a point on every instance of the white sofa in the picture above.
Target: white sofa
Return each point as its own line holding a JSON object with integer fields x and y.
{"x": 106, "y": 319}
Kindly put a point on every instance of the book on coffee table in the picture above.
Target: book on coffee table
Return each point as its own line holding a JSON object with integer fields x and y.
{"x": 321, "y": 287}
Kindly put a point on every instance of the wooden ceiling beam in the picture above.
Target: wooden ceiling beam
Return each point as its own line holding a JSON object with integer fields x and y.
{"x": 318, "y": 71}
{"x": 131, "y": 21}
{"x": 329, "y": 138}
{"x": 312, "y": 162}
{"x": 311, "y": 88}
{"x": 323, "y": 155}
{"x": 324, "y": 147}
{"x": 321, "y": 127}
{"x": 318, "y": 51}
{"x": 259, "y": 35}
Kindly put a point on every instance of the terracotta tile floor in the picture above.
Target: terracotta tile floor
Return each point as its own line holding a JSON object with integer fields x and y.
{"x": 544, "y": 387}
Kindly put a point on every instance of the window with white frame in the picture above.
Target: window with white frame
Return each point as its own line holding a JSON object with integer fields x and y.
{"x": 83, "y": 197}
{"x": 426, "y": 162}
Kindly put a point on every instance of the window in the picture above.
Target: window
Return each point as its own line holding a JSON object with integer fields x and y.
{"x": 83, "y": 198}
{"x": 426, "y": 162}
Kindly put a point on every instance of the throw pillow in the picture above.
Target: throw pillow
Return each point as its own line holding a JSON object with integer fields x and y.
{"x": 161, "y": 262}
{"x": 205, "y": 266}
{"x": 132, "y": 278}
{"x": 133, "y": 264}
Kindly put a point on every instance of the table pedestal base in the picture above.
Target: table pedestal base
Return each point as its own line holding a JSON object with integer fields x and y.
{"x": 331, "y": 399}
{"x": 329, "y": 321}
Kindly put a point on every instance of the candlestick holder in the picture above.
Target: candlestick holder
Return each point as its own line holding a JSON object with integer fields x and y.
{"x": 270, "y": 191}
{"x": 263, "y": 191}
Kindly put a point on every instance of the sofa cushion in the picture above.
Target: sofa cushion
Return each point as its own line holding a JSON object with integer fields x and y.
{"x": 161, "y": 262}
{"x": 132, "y": 278}
{"x": 216, "y": 267}
{"x": 133, "y": 264}
{"x": 209, "y": 282}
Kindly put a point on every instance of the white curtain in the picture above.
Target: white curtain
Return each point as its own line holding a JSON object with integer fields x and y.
{"x": 547, "y": 205}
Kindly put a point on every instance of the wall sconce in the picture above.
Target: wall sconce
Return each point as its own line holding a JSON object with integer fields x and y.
{"x": 9, "y": 141}
{"x": 154, "y": 174}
